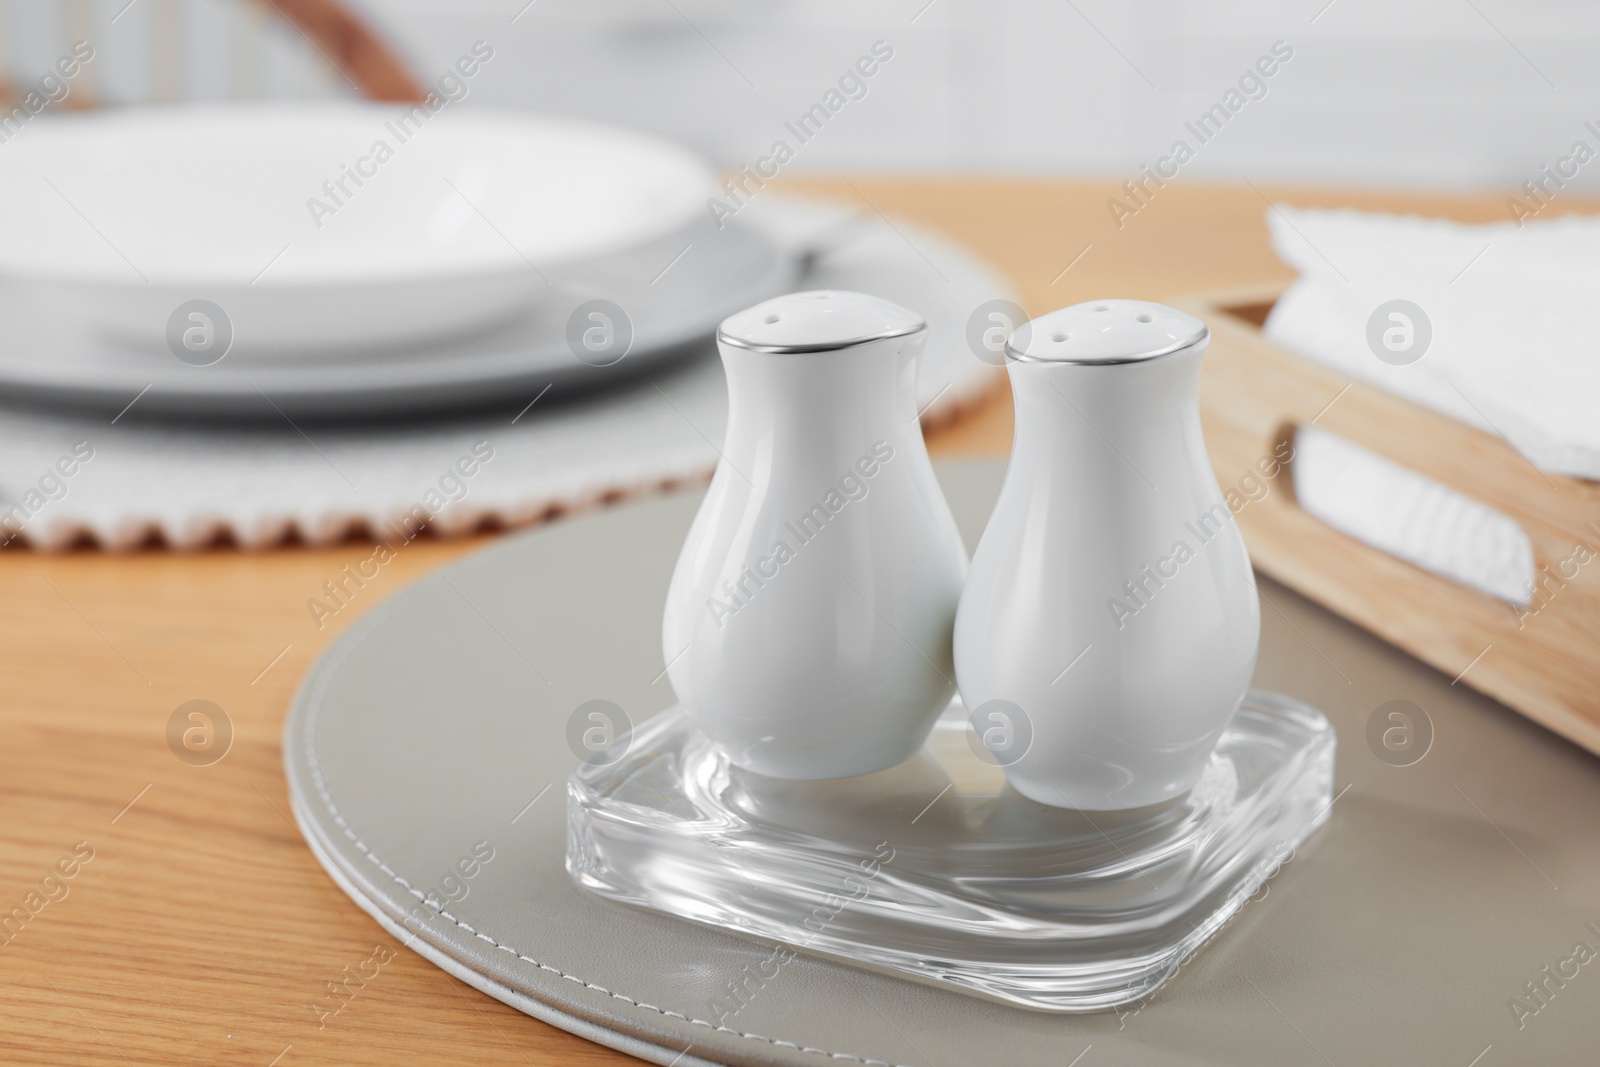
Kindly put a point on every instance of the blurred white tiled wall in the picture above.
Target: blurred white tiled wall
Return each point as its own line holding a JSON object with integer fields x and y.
{"x": 1477, "y": 93}
{"x": 1438, "y": 92}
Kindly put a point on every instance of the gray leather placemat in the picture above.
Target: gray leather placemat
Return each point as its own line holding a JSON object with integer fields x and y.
{"x": 434, "y": 734}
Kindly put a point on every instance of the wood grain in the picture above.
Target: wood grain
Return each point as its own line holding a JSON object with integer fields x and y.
{"x": 202, "y": 931}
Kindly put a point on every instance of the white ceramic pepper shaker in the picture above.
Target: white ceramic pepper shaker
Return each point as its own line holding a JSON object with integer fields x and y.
{"x": 808, "y": 624}
{"x": 1110, "y": 618}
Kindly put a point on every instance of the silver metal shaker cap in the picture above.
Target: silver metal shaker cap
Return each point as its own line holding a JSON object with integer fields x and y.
{"x": 1106, "y": 332}
{"x": 821, "y": 320}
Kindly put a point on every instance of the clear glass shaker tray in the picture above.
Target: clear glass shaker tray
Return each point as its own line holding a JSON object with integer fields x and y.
{"x": 937, "y": 871}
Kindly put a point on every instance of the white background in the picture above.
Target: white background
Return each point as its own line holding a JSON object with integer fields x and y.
{"x": 1443, "y": 93}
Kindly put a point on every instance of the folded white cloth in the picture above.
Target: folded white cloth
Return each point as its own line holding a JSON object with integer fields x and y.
{"x": 64, "y": 478}
{"x": 1513, "y": 350}
{"x": 1411, "y": 517}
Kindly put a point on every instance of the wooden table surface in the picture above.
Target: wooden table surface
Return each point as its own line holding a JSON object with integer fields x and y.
{"x": 202, "y": 930}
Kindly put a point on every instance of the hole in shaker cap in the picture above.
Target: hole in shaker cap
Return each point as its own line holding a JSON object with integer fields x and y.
{"x": 1058, "y": 338}
{"x": 1145, "y": 318}
{"x": 771, "y": 319}
{"x": 1102, "y": 307}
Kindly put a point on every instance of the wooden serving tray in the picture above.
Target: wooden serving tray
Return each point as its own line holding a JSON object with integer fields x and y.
{"x": 1545, "y": 664}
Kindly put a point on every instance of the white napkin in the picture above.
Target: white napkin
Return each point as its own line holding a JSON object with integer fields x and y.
{"x": 1515, "y": 350}
{"x": 1411, "y": 517}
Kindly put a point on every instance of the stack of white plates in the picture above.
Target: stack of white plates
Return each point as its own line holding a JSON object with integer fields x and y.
{"x": 331, "y": 260}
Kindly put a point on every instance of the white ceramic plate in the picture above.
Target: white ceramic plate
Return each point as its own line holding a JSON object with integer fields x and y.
{"x": 335, "y": 229}
{"x": 732, "y": 268}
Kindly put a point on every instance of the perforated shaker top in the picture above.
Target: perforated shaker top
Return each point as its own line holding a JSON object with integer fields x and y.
{"x": 817, "y": 321}
{"x": 1106, "y": 331}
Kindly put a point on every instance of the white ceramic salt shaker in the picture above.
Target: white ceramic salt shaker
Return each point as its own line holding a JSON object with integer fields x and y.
{"x": 1109, "y": 624}
{"x": 808, "y": 624}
